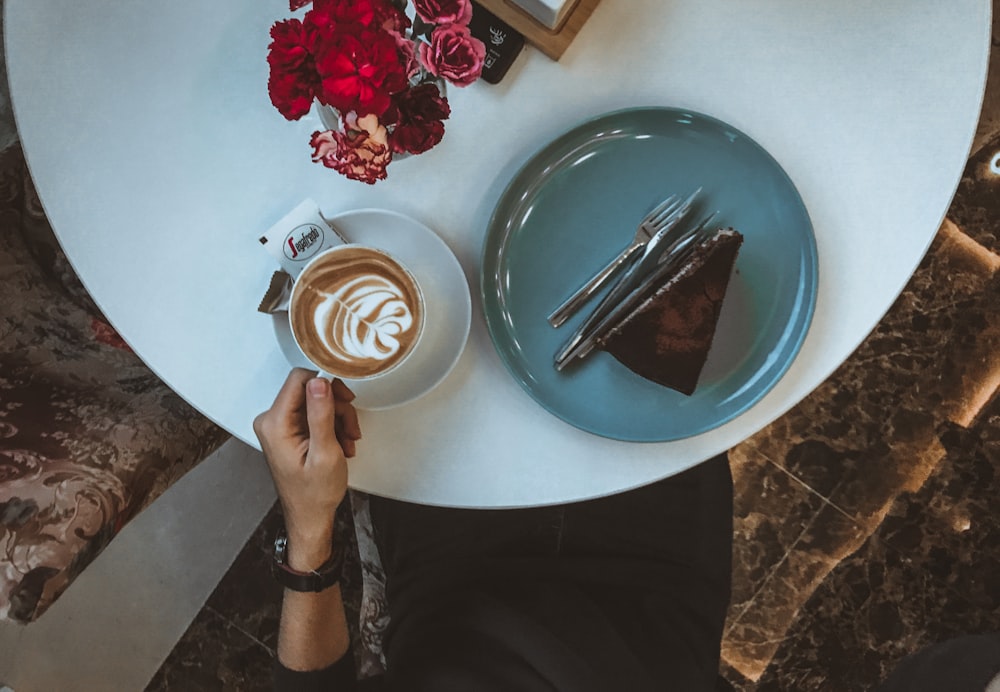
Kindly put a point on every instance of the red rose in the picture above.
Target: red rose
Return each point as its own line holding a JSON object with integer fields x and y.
{"x": 454, "y": 54}
{"x": 293, "y": 81}
{"x": 419, "y": 115}
{"x": 360, "y": 153}
{"x": 360, "y": 71}
{"x": 444, "y": 11}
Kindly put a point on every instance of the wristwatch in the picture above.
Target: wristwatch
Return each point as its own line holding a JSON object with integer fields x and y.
{"x": 319, "y": 579}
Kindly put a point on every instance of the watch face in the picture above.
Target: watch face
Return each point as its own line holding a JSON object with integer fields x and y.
{"x": 280, "y": 547}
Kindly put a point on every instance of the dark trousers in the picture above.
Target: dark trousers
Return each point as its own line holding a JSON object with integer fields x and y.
{"x": 683, "y": 523}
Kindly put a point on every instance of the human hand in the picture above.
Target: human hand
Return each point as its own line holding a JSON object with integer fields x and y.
{"x": 306, "y": 436}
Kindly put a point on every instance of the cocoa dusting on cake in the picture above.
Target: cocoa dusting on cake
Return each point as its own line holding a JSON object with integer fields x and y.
{"x": 667, "y": 337}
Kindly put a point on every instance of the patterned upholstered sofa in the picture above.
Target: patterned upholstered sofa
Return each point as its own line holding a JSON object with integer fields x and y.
{"x": 88, "y": 435}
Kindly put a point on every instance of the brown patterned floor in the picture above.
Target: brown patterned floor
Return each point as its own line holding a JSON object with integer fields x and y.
{"x": 866, "y": 518}
{"x": 812, "y": 487}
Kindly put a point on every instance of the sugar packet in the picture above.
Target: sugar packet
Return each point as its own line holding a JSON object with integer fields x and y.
{"x": 299, "y": 236}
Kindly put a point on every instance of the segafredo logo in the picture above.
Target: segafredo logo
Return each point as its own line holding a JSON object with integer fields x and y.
{"x": 303, "y": 242}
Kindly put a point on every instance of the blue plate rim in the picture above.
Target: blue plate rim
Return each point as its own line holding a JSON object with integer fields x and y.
{"x": 810, "y": 254}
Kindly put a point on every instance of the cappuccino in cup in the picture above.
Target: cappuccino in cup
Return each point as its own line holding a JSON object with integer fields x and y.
{"x": 356, "y": 312}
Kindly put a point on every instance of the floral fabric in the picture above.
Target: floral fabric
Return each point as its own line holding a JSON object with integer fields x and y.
{"x": 373, "y": 612}
{"x": 88, "y": 435}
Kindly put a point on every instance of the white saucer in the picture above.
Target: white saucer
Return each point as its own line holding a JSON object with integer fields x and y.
{"x": 448, "y": 307}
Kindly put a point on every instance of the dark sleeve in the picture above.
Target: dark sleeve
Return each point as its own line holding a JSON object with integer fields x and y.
{"x": 338, "y": 677}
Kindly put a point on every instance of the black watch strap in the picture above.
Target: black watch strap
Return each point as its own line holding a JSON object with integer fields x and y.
{"x": 321, "y": 578}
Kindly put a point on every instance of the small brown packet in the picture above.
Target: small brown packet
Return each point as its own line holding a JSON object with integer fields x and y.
{"x": 278, "y": 293}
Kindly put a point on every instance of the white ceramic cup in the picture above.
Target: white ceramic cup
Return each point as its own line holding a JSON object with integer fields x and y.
{"x": 356, "y": 312}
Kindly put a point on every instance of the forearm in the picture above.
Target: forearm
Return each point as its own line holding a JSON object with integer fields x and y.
{"x": 313, "y": 630}
{"x": 301, "y": 436}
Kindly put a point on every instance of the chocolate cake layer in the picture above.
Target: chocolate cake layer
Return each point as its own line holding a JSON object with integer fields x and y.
{"x": 667, "y": 337}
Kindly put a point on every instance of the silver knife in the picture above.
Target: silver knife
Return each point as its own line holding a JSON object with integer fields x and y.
{"x": 638, "y": 266}
{"x": 660, "y": 258}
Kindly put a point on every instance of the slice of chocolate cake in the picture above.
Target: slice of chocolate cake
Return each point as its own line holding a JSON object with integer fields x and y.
{"x": 666, "y": 338}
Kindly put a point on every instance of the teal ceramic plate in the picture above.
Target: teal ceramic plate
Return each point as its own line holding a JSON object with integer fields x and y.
{"x": 575, "y": 204}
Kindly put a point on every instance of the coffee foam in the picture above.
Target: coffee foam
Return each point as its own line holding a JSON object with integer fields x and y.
{"x": 356, "y": 312}
{"x": 364, "y": 319}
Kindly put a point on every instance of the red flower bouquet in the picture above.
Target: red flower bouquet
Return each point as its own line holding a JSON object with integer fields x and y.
{"x": 380, "y": 72}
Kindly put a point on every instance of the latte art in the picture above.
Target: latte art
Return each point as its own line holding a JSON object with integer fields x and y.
{"x": 356, "y": 312}
{"x": 364, "y": 319}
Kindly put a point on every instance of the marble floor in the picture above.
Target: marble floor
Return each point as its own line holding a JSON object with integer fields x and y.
{"x": 866, "y": 519}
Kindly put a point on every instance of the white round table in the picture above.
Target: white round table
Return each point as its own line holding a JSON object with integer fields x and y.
{"x": 159, "y": 161}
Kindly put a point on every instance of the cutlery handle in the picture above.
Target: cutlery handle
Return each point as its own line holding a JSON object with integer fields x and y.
{"x": 596, "y": 283}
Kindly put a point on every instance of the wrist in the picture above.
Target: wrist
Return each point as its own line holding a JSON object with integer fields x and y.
{"x": 305, "y": 570}
{"x": 308, "y": 558}
{"x": 308, "y": 546}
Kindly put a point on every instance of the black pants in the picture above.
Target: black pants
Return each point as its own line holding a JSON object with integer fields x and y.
{"x": 682, "y": 525}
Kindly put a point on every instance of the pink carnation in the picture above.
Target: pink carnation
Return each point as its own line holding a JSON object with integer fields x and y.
{"x": 360, "y": 153}
{"x": 455, "y": 54}
{"x": 444, "y": 11}
{"x": 407, "y": 55}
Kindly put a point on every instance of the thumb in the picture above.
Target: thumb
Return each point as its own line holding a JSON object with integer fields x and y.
{"x": 321, "y": 416}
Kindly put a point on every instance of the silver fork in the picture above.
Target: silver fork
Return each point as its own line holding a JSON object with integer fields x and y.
{"x": 656, "y": 263}
{"x": 670, "y": 210}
